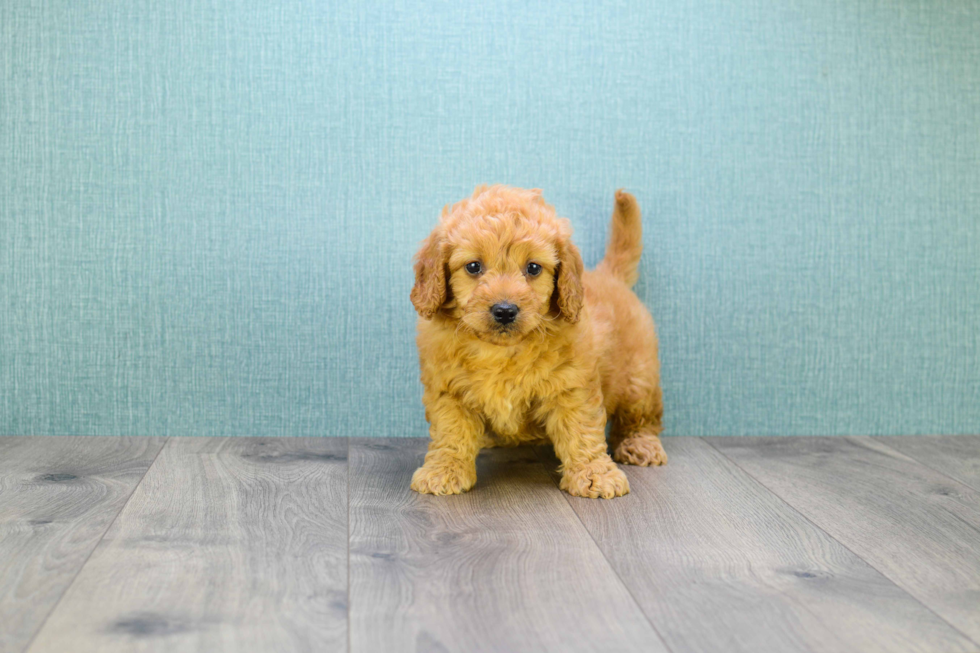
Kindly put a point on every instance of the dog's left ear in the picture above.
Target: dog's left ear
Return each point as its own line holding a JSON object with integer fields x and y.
{"x": 429, "y": 293}
{"x": 569, "y": 294}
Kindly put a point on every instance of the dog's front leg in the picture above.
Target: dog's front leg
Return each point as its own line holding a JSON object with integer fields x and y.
{"x": 450, "y": 464}
{"x": 576, "y": 424}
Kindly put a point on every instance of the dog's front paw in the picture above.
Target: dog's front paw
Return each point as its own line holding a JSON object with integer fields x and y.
{"x": 642, "y": 450}
{"x": 443, "y": 478}
{"x": 599, "y": 478}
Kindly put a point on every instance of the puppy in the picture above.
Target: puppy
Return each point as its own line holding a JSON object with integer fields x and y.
{"x": 519, "y": 345}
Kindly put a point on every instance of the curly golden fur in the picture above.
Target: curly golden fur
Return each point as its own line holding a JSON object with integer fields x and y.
{"x": 581, "y": 349}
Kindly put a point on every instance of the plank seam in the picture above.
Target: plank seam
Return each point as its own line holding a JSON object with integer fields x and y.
{"x": 883, "y": 441}
{"x": 609, "y": 564}
{"x": 822, "y": 530}
{"x": 125, "y": 503}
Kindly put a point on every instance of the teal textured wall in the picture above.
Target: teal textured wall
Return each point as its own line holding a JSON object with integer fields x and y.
{"x": 208, "y": 208}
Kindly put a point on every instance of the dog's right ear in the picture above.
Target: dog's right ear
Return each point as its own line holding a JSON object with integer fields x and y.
{"x": 429, "y": 293}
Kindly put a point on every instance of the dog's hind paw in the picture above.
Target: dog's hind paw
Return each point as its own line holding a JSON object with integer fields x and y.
{"x": 443, "y": 479}
{"x": 600, "y": 478}
{"x": 642, "y": 450}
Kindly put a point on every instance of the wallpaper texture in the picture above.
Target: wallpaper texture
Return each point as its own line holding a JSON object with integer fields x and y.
{"x": 208, "y": 208}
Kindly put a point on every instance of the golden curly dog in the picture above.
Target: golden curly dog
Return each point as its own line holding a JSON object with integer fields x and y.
{"x": 519, "y": 345}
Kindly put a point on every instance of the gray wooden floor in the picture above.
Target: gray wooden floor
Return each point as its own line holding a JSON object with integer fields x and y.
{"x": 243, "y": 544}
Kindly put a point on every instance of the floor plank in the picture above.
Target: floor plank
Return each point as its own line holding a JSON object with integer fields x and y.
{"x": 233, "y": 544}
{"x": 719, "y": 563}
{"x": 917, "y": 526}
{"x": 505, "y": 567}
{"x": 58, "y": 496}
{"x": 956, "y": 456}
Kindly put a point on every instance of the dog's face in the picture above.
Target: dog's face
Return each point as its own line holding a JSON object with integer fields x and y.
{"x": 500, "y": 264}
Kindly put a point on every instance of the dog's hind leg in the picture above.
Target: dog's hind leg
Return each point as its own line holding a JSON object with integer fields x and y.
{"x": 636, "y": 425}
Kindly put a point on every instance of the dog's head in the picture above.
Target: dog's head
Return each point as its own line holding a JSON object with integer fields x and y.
{"x": 500, "y": 263}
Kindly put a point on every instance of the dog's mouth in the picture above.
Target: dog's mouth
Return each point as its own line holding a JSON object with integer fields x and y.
{"x": 502, "y": 339}
{"x": 502, "y": 334}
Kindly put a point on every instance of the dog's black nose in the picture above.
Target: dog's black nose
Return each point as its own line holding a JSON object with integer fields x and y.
{"x": 504, "y": 313}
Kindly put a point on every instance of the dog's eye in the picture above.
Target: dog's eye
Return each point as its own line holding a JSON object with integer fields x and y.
{"x": 474, "y": 267}
{"x": 533, "y": 269}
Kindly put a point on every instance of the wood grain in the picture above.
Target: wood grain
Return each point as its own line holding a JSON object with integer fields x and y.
{"x": 228, "y": 545}
{"x": 956, "y": 456}
{"x": 241, "y": 545}
{"x": 57, "y": 498}
{"x": 918, "y": 527}
{"x": 505, "y": 567}
{"x": 719, "y": 563}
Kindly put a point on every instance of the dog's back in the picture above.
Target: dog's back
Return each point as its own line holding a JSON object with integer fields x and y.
{"x": 625, "y": 332}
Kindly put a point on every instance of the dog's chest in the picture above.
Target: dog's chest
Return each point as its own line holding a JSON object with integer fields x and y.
{"x": 507, "y": 392}
{"x": 504, "y": 406}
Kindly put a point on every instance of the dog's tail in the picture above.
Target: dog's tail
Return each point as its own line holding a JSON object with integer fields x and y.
{"x": 625, "y": 240}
